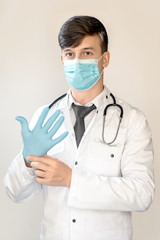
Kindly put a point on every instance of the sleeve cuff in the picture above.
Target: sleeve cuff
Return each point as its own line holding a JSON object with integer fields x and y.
{"x": 28, "y": 173}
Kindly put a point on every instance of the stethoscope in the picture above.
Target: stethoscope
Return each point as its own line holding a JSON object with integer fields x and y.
{"x": 114, "y": 104}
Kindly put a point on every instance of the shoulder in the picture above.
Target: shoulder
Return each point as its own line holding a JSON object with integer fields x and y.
{"x": 58, "y": 100}
{"x": 134, "y": 119}
{"x": 58, "y": 103}
{"x": 129, "y": 110}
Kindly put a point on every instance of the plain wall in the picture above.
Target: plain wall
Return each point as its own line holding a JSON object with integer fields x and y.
{"x": 31, "y": 75}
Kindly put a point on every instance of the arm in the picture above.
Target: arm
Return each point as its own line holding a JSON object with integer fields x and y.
{"x": 20, "y": 179}
{"x": 20, "y": 182}
{"x": 134, "y": 190}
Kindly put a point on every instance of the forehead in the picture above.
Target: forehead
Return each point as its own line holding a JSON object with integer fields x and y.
{"x": 88, "y": 41}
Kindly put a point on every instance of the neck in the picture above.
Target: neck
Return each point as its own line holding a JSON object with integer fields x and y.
{"x": 83, "y": 97}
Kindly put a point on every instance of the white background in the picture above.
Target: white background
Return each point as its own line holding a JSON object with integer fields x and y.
{"x": 31, "y": 75}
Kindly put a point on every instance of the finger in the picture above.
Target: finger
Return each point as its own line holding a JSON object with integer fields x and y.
{"x": 41, "y": 174}
{"x": 56, "y": 126}
{"x": 51, "y": 120}
{"x": 40, "y": 166}
{"x": 37, "y": 160}
{"x": 42, "y": 117}
{"x": 46, "y": 156}
{"x": 60, "y": 138}
{"x": 43, "y": 181}
{"x": 24, "y": 123}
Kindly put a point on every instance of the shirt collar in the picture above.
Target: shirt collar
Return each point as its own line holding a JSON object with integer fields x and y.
{"x": 98, "y": 101}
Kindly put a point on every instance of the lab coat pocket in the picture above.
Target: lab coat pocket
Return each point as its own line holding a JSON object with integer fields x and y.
{"x": 106, "y": 159}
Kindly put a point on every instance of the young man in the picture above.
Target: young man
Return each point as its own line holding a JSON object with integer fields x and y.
{"x": 96, "y": 176}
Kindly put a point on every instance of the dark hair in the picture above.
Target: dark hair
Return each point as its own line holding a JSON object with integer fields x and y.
{"x": 76, "y": 28}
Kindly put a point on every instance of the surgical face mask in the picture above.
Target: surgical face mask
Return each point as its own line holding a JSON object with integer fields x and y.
{"x": 82, "y": 74}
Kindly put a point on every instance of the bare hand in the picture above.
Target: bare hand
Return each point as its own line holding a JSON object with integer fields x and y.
{"x": 51, "y": 171}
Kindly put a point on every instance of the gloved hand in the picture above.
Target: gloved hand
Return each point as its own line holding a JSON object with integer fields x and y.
{"x": 39, "y": 141}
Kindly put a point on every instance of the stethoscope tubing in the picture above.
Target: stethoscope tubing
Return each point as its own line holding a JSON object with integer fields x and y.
{"x": 114, "y": 104}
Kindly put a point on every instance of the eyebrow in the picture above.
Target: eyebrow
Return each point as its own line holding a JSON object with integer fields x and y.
{"x": 86, "y": 48}
{"x": 66, "y": 49}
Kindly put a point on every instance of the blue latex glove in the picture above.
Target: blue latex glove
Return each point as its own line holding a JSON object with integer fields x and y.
{"x": 39, "y": 141}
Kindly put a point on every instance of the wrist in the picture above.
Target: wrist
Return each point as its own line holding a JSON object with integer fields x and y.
{"x": 27, "y": 164}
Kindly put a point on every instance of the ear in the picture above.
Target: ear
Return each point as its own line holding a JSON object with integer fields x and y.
{"x": 106, "y": 58}
{"x": 62, "y": 60}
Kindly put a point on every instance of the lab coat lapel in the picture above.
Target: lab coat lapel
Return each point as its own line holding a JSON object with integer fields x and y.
{"x": 67, "y": 122}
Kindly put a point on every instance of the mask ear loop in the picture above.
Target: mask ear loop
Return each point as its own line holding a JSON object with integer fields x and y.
{"x": 102, "y": 72}
{"x": 100, "y": 58}
{"x": 97, "y": 64}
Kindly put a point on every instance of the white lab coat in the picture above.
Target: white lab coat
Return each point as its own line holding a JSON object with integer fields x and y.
{"x": 107, "y": 184}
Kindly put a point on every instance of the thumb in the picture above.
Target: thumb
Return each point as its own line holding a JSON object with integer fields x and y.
{"x": 24, "y": 124}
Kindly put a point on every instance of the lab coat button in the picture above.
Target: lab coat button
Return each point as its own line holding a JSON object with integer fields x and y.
{"x": 76, "y": 163}
{"x": 74, "y": 220}
{"x": 112, "y": 155}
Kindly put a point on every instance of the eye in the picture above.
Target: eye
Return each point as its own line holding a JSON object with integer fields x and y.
{"x": 68, "y": 54}
{"x": 88, "y": 53}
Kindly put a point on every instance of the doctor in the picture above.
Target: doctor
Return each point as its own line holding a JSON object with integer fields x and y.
{"x": 90, "y": 188}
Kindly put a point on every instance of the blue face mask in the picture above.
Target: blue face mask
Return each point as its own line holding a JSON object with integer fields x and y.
{"x": 82, "y": 74}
